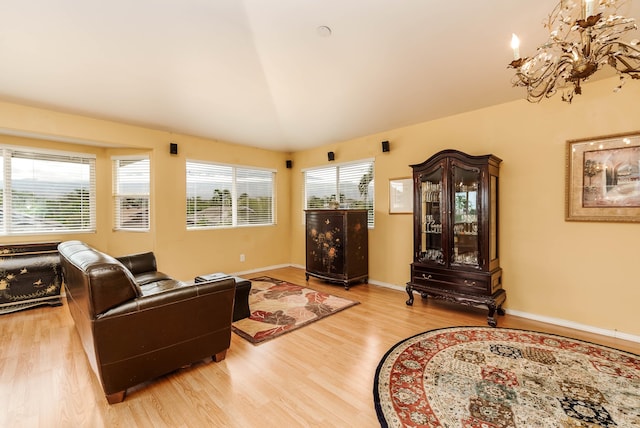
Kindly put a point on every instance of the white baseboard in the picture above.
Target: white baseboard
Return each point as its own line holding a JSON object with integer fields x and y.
{"x": 549, "y": 320}
{"x": 387, "y": 285}
{"x": 370, "y": 281}
{"x": 577, "y": 326}
{"x": 247, "y": 272}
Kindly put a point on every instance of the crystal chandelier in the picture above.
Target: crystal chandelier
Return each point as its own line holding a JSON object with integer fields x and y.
{"x": 584, "y": 36}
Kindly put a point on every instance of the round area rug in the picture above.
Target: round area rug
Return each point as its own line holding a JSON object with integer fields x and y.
{"x": 495, "y": 377}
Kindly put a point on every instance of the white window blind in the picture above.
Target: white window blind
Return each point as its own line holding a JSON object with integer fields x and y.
{"x": 228, "y": 196}
{"x": 255, "y": 196}
{"x": 352, "y": 185}
{"x": 131, "y": 184}
{"x": 2, "y": 225}
{"x": 45, "y": 191}
{"x": 321, "y": 187}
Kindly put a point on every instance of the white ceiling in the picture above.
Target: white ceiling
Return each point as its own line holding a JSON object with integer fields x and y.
{"x": 257, "y": 72}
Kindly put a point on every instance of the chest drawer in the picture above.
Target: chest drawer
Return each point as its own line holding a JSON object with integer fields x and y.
{"x": 463, "y": 282}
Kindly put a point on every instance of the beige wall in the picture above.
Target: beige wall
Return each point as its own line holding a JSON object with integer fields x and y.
{"x": 181, "y": 253}
{"x": 584, "y": 273}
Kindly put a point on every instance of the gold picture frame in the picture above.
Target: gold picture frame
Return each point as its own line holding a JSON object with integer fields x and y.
{"x": 401, "y": 195}
{"x": 603, "y": 179}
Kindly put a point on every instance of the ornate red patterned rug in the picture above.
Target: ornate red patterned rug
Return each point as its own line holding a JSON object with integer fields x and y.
{"x": 278, "y": 307}
{"x": 482, "y": 377}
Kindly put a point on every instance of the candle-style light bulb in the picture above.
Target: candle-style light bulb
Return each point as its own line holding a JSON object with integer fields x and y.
{"x": 588, "y": 6}
{"x": 515, "y": 45}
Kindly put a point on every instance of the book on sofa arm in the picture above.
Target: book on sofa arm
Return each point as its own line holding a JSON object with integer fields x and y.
{"x": 212, "y": 277}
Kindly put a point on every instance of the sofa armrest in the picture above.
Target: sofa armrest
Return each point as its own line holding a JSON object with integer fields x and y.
{"x": 139, "y": 263}
{"x": 153, "y": 334}
{"x": 94, "y": 279}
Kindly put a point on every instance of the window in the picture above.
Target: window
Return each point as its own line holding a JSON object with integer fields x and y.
{"x": 131, "y": 180}
{"x": 46, "y": 192}
{"x": 228, "y": 196}
{"x": 351, "y": 185}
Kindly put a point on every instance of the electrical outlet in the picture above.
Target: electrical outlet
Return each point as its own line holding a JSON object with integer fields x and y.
{"x": 242, "y": 257}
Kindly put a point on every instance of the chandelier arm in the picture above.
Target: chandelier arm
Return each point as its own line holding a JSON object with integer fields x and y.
{"x": 617, "y": 5}
{"x": 629, "y": 68}
{"x": 533, "y": 81}
{"x": 611, "y": 33}
{"x": 534, "y": 93}
{"x": 580, "y": 42}
{"x": 602, "y": 51}
{"x": 545, "y": 71}
{"x": 626, "y": 47}
{"x": 626, "y": 54}
{"x": 553, "y": 16}
{"x": 544, "y": 85}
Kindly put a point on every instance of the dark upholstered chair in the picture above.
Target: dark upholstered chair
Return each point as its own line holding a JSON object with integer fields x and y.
{"x": 136, "y": 323}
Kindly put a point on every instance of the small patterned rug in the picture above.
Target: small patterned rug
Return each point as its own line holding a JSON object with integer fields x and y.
{"x": 278, "y": 307}
{"x": 486, "y": 377}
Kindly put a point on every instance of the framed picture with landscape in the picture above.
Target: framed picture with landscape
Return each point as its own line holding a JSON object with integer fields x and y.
{"x": 603, "y": 179}
{"x": 401, "y": 196}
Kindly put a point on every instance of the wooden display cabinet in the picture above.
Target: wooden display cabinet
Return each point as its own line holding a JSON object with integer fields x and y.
{"x": 456, "y": 231}
{"x": 337, "y": 245}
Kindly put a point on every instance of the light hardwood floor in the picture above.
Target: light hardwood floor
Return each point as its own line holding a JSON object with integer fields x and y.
{"x": 318, "y": 376}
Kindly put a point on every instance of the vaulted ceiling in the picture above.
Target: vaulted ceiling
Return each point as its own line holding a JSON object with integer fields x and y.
{"x": 262, "y": 72}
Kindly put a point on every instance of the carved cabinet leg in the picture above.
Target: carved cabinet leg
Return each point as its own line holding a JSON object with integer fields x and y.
{"x": 410, "y": 293}
{"x": 491, "y": 320}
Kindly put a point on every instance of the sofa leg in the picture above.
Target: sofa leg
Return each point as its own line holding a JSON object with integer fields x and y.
{"x": 117, "y": 397}
{"x": 220, "y": 356}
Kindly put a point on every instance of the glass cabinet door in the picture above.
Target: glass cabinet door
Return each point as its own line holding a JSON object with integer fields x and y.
{"x": 466, "y": 246}
{"x": 431, "y": 209}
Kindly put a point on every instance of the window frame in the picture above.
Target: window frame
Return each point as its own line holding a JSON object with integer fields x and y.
{"x": 370, "y": 161}
{"x": 7, "y": 152}
{"x": 234, "y": 195}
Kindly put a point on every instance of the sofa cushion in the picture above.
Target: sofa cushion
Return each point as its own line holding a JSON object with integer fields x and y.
{"x": 160, "y": 286}
{"x": 145, "y": 278}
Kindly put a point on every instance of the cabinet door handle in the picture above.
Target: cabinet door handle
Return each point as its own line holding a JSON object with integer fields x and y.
{"x": 426, "y": 276}
{"x": 472, "y": 283}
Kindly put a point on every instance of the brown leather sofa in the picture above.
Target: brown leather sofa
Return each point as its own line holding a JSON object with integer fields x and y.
{"x": 136, "y": 323}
